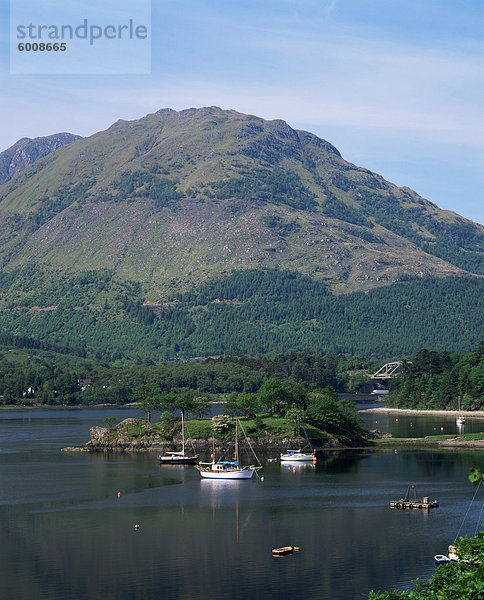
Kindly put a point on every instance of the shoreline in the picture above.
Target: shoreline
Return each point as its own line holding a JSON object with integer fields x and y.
{"x": 67, "y": 406}
{"x": 414, "y": 411}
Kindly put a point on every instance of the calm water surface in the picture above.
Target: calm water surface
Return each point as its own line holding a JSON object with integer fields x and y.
{"x": 419, "y": 425}
{"x": 66, "y": 535}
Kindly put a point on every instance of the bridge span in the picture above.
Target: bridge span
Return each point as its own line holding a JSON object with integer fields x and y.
{"x": 389, "y": 370}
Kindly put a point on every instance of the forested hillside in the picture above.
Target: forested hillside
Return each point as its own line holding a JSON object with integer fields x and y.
{"x": 250, "y": 312}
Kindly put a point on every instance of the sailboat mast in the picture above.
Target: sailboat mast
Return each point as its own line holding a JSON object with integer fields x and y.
{"x": 305, "y": 433}
{"x": 236, "y": 441}
{"x": 183, "y": 434}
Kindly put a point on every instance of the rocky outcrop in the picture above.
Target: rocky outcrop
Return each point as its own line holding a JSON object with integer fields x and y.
{"x": 26, "y": 151}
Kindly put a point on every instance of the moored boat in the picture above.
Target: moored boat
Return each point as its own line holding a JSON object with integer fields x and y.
{"x": 297, "y": 455}
{"x": 177, "y": 458}
{"x": 224, "y": 469}
{"x": 441, "y": 559}
{"x": 180, "y": 457}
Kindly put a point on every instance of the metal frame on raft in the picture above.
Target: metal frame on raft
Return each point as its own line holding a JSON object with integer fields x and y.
{"x": 407, "y": 503}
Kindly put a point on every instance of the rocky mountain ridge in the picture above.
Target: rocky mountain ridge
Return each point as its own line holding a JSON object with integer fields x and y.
{"x": 26, "y": 151}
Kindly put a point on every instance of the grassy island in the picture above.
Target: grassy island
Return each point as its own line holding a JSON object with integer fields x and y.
{"x": 263, "y": 431}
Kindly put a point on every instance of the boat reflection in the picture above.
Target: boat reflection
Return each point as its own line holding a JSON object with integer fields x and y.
{"x": 295, "y": 465}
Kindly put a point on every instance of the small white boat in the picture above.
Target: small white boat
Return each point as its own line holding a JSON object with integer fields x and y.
{"x": 441, "y": 559}
{"x": 177, "y": 458}
{"x": 180, "y": 457}
{"x": 224, "y": 469}
{"x": 297, "y": 456}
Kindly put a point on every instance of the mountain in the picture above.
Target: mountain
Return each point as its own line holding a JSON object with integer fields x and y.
{"x": 121, "y": 227}
{"x": 26, "y": 151}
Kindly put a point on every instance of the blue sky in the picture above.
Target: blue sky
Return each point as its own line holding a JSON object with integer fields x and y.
{"x": 395, "y": 85}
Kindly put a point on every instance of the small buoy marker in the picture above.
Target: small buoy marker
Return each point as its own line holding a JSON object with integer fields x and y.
{"x": 119, "y": 494}
{"x": 294, "y": 469}
{"x": 262, "y": 479}
{"x": 136, "y": 526}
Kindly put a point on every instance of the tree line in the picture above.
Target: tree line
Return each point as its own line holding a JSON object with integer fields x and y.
{"x": 439, "y": 380}
{"x": 432, "y": 379}
{"x": 38, "y": 377}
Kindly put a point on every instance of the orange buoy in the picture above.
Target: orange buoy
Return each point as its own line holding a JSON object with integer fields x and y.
{"x": 119, "y": 494}
{"x": 294, "y": 469}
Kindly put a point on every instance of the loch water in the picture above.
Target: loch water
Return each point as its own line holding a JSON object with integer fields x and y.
{"x": 65, "y": 533}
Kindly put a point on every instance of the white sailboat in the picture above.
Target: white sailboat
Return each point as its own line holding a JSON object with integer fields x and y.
{"x": 224, "y": 469}
{"x": 180, "y": 457}
{"x": 299, "y": 455}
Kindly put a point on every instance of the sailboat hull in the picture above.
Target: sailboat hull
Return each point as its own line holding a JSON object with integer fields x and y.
{"x": 298, "y": 457}
{"x": 227, "y": 474}
{"x": 178, "y": 460}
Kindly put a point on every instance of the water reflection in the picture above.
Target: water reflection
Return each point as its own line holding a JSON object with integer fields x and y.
{"x": 298, "y": 466}
{"x": 412, "y": 425}
{"x": 66, "y": 533}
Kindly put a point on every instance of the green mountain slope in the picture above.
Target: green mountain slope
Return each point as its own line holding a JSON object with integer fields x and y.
{"x": 176, "y": 198}
{"x": 112, "y": 241}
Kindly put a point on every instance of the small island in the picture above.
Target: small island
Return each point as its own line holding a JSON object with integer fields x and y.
{"x": 328, "y": 423}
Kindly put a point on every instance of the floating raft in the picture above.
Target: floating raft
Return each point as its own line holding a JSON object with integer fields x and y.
{"x": 413, "y": 504}
{"x": 408, "y": 503}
